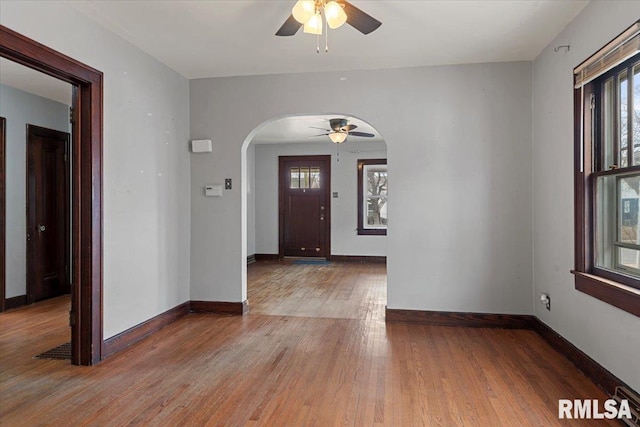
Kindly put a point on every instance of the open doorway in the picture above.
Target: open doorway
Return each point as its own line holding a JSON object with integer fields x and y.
{"x": 85, "y": 316}
{"x": 349, "y": 279}
{"x": 36, "y": 194}
{"x": 35, "y": 184}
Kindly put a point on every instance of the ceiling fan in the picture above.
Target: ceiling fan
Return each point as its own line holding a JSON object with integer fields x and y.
{"x": 340, "y": 129}
{"x": 312, "y": 14}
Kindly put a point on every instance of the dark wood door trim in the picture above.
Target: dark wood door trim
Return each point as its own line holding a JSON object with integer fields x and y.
{"x": 34, "y": 212}
{"x": 3, "y": 209}
{"x": 281, "y": 200}
{"x": 86, "y": 177}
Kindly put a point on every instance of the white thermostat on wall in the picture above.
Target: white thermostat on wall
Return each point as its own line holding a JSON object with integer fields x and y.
{"x": 201, "y": 146}
{"x": 213, "y": 190}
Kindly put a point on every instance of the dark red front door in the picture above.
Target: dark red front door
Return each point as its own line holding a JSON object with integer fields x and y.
{"x": 304, "y": 206}
{"x": 47, "y": 213}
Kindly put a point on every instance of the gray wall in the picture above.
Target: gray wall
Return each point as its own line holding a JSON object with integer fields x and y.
{"x": 607, "y": 334}
{"x": 251, "y": 200}
{"x": 146, "y": 162}
{"x": 21, "y": 108}
{"x": 460, "y": 215}
{"x": 344, "y": 209}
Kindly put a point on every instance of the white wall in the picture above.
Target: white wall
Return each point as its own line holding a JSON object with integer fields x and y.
{"x": 21, "y": 108}
{"x": 459, "y": 149}
{"x": 251, "y": 200}
{"x": 607, "y": 334}
{"x": 146, "y": 162}
{"x": 344, "y": 209}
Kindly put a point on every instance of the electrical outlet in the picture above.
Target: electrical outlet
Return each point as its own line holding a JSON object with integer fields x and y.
{"x": 545, "y": 300}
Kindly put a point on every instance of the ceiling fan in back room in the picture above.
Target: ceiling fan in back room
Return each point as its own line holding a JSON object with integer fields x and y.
{"x": 340, "y": 129}
{"x": 314, "y": 14}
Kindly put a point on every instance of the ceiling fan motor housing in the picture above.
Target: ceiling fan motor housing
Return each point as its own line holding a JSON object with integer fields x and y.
{"x": 338, "y": 125}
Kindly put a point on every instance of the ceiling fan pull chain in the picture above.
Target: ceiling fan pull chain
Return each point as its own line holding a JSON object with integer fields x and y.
{"x": 338, "y": 153}
{"x": 326, "y": 35}
{"x": 318, "y": 43}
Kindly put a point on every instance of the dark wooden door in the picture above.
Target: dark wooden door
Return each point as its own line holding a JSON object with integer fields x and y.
{"x": 47, "y": 213}
{"x": 305, "y": 214}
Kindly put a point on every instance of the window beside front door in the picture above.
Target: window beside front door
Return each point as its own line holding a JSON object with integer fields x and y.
{"x": 372, "y": 196}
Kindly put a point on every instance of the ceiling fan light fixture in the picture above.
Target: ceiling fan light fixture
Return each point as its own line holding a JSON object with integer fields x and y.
{"x": 338, "y": 137}
{"x": 303, "y": 10}
{"x": 334, "y": 14}
{"x": 314, "y": 25}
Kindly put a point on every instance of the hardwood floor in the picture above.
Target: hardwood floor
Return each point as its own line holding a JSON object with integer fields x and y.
{"x": 342, "y": 290}
{"x": 30, "y": 330}
{"x": 277, "y": 366}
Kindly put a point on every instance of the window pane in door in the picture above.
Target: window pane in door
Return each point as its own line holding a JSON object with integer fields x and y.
{"x": 314, "y": 179}
{"x": 623, "y": 106}
{"x": 294, "y": 181}
{"x": 295, "y": 178}
{"x": 304, "y": 177}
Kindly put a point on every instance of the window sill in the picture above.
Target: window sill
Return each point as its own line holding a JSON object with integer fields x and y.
{"x": 622, "y": 296}
{"x": 372, "y": 232}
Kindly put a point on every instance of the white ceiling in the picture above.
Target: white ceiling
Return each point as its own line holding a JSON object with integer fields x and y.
{"x": 35, "y": 82}
{"x": 236, "y": 37}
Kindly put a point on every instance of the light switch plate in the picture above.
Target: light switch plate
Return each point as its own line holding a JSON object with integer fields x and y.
{"x": 213, "y": 190}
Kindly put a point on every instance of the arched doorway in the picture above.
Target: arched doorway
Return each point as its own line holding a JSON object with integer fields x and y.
{"x": 303, "y": 137}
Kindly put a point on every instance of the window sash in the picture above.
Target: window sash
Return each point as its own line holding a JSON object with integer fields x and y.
{"x": 365, "y": 222}
{"x": 613, "y": 54}
{"x": 607, "y": 224}
{"x": 626, "y": 245}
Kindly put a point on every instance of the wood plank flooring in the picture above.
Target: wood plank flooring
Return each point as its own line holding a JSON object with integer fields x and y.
{"x": 337, "y": 290}
{"x": 283, "y": 366}
{"x": 30, "y": 330}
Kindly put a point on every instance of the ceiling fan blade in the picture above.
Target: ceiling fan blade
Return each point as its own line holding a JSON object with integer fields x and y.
{"x": 348, "y": 128}
{"x": 321, "y": 134}
{"x": 289, "y": 28}
{"x": 314, "y": 127}
{"x": 359, "y": 20}
{"x": 363, "y": 134}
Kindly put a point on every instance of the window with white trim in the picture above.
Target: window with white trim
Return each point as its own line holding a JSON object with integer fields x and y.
{"x": 372, "y": 196}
